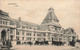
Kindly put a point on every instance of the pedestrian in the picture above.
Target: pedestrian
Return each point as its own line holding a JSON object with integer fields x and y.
{"x": 73, "y": 42}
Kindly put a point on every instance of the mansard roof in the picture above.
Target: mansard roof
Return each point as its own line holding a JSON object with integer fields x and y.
{"x": 4, "y": 15}
{"x": 50, "y": 19}
{"x": 24, "y": 23}
{"x": 56, "y": 24}
{"x": 43, "y": 28}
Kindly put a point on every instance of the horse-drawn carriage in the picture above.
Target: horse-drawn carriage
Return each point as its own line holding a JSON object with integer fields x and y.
{"x": 18, "y": 42}
{"x": 58, "y": 43}
{"x": 41, "y": 43}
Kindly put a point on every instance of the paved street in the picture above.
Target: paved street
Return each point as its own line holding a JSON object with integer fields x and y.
{"x": 43, "y": 47}
{"x": 27, "y": 47}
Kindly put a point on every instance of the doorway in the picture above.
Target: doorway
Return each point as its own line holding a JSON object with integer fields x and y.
{"x": 3, "y": 35}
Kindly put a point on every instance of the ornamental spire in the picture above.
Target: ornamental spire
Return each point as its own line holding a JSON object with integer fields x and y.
{"x": 50, "y": 9}
{"x": 51, "y": 17}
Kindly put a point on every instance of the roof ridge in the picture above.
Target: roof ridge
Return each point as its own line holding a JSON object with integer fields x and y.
{"x": 25, "y": 22}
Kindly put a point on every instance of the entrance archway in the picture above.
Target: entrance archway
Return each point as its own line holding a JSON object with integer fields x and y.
{"x": 3, "y": 35}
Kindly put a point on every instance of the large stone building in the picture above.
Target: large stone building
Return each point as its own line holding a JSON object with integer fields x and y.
{"x": 7, "y": 25}
{"x": 48, "y": 30}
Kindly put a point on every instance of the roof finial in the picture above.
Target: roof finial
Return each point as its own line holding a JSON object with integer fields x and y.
{"x": 50, "y": 9}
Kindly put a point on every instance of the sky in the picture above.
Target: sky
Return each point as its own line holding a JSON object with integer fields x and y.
{"x": 67, "y": 11}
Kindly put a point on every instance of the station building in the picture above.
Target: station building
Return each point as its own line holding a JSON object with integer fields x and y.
{"x": 7, "y": 25}
{"x": 48, "y": 30}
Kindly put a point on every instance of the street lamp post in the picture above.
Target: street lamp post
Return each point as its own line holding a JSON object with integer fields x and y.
{"x": 6, "y": 44}
{"x": 8, "y": 33}
{"x": 8, "y": 30}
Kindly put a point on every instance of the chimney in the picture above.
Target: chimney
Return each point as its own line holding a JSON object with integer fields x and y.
{"x": 19, "y": 18}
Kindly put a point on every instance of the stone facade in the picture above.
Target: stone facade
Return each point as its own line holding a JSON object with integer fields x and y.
{"x": 48, "y": 30}
{"x": 7, "y": 23}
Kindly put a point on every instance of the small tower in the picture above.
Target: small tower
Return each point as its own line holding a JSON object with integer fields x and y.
{"x": 51, "y": 17}
{"x": 51, "y": 20}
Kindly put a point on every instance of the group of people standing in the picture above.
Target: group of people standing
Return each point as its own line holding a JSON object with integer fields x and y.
{"x": 6, "y": 43}
{"x": 72, "y": 43}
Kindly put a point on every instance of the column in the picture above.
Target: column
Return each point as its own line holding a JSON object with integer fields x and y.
{"x": 46, "y": 36}
{"x": 14, "y": 34}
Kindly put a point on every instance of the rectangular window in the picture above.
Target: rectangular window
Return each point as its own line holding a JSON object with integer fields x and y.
{"x": 6, "y": 23}
{"x": 17, "y": 32}
{"x": 23, "y": 27}
{"x": 38, "y": 39}
{"x": 38, "y": 34}
{"x": 55, "y": 39}
{"x": 30, "y": 28}
{"x": 28, "y": 34}
{"x": 11, "y": 31}
{"x": 18, "y": 26}
{"x": 34, "y": 38}
{"x": 34, "y": 29}
{"x": 22, "y": 38}
{"x": 44, "y": 34}
{"x": 0, "y": 22}
{"x": 28, "y": 38}
{"x": 17, "y": 38}
{"x": 3, "y": 22}
{"x": 22, "y": 32}
{"x": 34, "y": 34}
{"x": 26, "y": 27}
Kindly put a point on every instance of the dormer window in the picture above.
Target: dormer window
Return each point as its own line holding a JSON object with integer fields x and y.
{"x": 26, "y": 27}
{"x": 30, "y": 28}
{"x": 23, "y": 27}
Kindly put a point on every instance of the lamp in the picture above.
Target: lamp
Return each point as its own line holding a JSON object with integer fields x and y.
{"x": 8, "y": 32}
{"x": 8, "y": 29}
{"x": 8, "y": 37}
